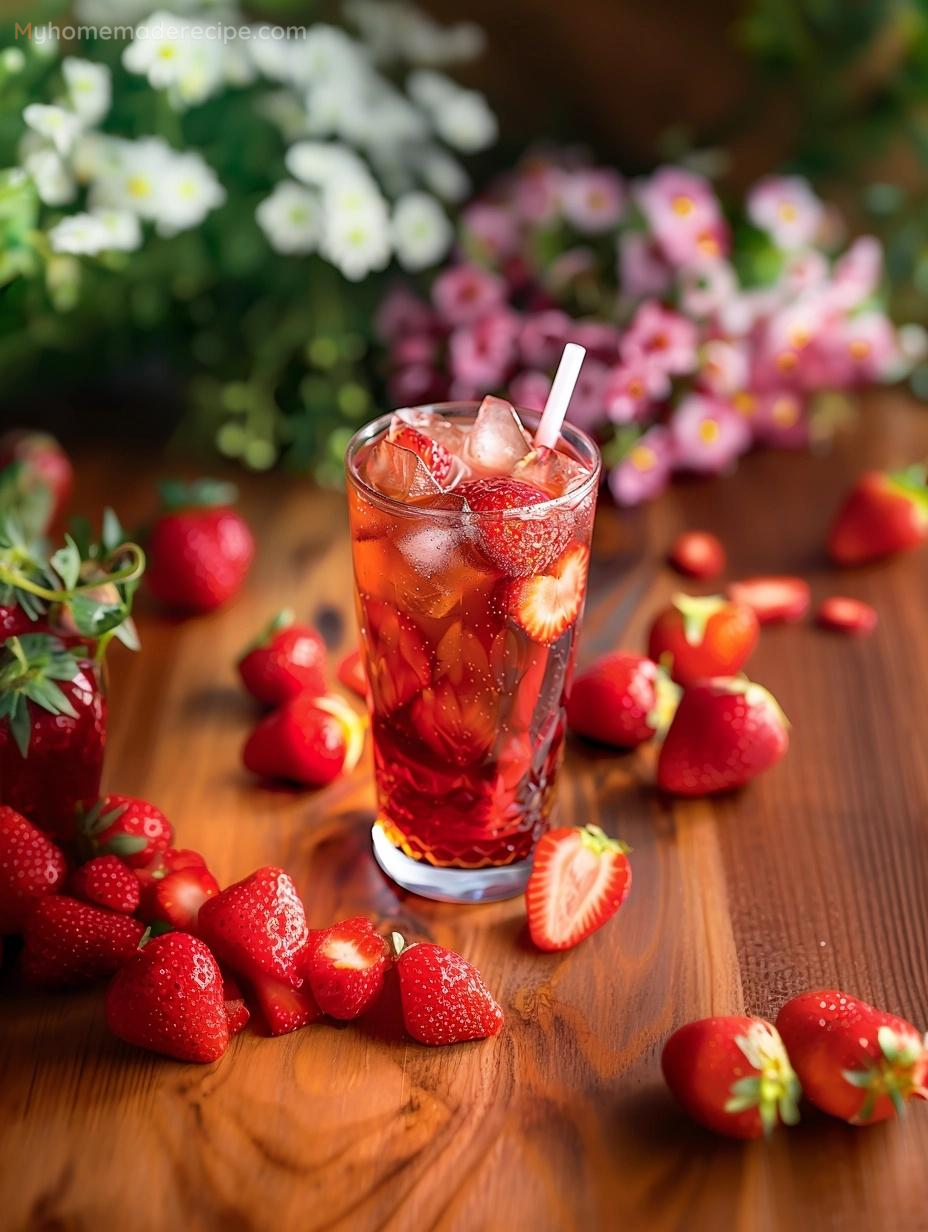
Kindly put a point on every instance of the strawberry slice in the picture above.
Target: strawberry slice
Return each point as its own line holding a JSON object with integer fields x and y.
{"x": 435, "y": 456}
{"x": 846, "y": 615}
{"x": 546, "y": 605}
{"x": 772, "y": 599}
{"x": 579, "y": 881}
{"x": 518, "y": 545}
{"x": 345, "y": 966}
{"x": 697, "y": 554}
{"x": 398, "y": 661}
{"x": 178, "y": 897}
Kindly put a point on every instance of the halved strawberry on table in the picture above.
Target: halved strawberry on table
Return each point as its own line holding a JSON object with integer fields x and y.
{"x": 580, "y": 878}
{"x": 177, "y": 897}
{"x": 152, "y": 874}
{"x": 843, "y": 614}
{"x": 725, "y": 732}
{"x": 257, "y": 927}
{"x": 546, "y": 605}
{"x": 345, "y": 965}
{"x": 773, "y": 599}
{"x": 622, "y": 700}
{"x": 287, "y": 658}
{"x": 31, "y": 867}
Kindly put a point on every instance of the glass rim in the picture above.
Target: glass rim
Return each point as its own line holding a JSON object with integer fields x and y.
{"x": 374, "y": 427}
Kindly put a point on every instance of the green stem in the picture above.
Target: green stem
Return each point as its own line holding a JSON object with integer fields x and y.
{"x": 129, "y": 573}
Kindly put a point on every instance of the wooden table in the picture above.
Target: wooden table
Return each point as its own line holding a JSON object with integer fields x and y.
{"x": 816, "y": 874}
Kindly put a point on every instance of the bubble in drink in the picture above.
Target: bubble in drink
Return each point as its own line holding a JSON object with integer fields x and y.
{"x": 497, "y": 440}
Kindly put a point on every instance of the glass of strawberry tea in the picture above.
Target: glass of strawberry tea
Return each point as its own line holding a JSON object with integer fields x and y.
{"x": 470, "y": 548}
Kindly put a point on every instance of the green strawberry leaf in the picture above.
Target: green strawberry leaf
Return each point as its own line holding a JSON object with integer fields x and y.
{"x": 124, "y": 845}
{"x": 67, "y": 563}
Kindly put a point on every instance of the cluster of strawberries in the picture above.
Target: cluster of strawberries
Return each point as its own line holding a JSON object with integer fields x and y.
{"x": 742, "y": 1076}
{"x": 188, "y": 962}
{"x": 724, "y": 729}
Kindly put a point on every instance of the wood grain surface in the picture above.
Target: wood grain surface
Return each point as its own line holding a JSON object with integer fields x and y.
{"x": 816, "y": 874}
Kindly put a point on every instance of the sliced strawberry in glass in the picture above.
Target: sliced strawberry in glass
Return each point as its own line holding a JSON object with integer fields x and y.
{"x": 546, "y": 605}
{"x": 437, "y": 459}
{"x": 457, "y": 722}
{"x": 399, "y": 664}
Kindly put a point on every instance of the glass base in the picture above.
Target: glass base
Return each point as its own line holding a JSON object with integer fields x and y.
{"x": 449, "y": 885}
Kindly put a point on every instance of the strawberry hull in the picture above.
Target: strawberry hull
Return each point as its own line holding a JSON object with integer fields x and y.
{"x": 469, "y": 608}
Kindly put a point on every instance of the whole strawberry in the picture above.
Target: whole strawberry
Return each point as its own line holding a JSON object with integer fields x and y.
{"x": 519, "y": 546}
{"x": 257, "y": 927}
{"x": 200, "y": 548}
{"x": 724, "y": 734}
{"x": 698, "y": 554}
{"x": 36, "y": 478}
{"x": 69, "y": 943}
{"x": 732, "y": 1075}
{"x": 309, "y": 740}
{"x": 444, "y": 998}
{"x": 286, "y": 659}
{"x": 125, "y": 826}
{"x": 855, "y": 1062}
{"x": 345, "y": 966}
{"x": 703, "y": 637}
{"x": 622, "y": 700}
{"x": 52, "y": 731}
{"x": 169, "y": 998}
{"x": 884, "y": 513}
{"x": 31, "y": 866}
{"x": 107, "y": 882}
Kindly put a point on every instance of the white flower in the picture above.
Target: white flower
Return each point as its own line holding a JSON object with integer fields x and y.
{"x": 321, "y": 162}
{"x": 189, "y": 191}
{"x": 133, "y": 177}
{"x": 399, "y": 31}
{"x": 421, "y": 231}
{"x": 123, "y": 229}
{"x": 165, "y": 52}
{"x": 61, "y": 127}
{"x": 430, "y": 90}
{"x": 89, "y": 88}
{"x": 94, "y": 155}
{"x": 290, "y": 218}
{"x": 80, "y": 234}
{"x": 466, "y": 122}
{"x": 326, "y": 54}
{"x": 355, "y": 229}
{"x": 12, "y": 60}
{"x": 443, "y": 174}
{"x": 271, "y": 56}
{"x": 237, "y": 66}
{"x": 285, "y": 111}
{"x": 53, "y": 181}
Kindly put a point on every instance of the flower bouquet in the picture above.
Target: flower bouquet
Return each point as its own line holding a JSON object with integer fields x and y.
{"x": 708, "y": 331}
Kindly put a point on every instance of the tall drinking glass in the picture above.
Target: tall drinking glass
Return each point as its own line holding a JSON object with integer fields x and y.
{"x": 468, "y": 622}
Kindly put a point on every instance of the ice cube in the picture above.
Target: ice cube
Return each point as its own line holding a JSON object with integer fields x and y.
{"x": 437, "y": 427}
{"x": 399, "y": 473}
{"x": 428, "y": 549}
{"x": 550, "y": 470}
{"x": 496, "y": 440}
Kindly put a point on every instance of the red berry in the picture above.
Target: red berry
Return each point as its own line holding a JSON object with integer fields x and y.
{"x": 579, "y": 880}
{"x": 725, "y": 733}
{"x": 732, "y": 1075}
{"x": 44, "y": 477}
{"x": 125, "y": 826}
{"x": 703, "y": 637}
{"x": 153, "y": 873}
{"x": 237, "y": 1012}
{"x": 258, "y": 928}
{"x": 772, "y": 599}
{"x": 855, "y": 1062}
{"x": 200, "y": 551}
{"x": 436, "y": 458}
{"x": 345, "y": 966}
{"x": 31, "y": 866}
{"x": 169, "y": 998}
{"x": 622, "y": 700}
{"x": 309, "y": 740}
{"x": 107, "y": 882}
{"x": 884, "y": 513}
{"x": 351, "y": 673}
{"x": 69, "y": 943}
{"x": 518, "y": 545}
{"x": 444, "y": 998}
{"x": 52, "y": 731}
{"x": 178, "y": 896}
{"x": 697, "y": 554}
{"x": 546, "y": 605}
{"x": 846, "y": 615}
{"x": 287, "y": 659}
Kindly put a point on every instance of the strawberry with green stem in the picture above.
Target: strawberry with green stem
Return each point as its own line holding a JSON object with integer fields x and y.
{"x": 884, "y": 513}
{"x": 36, "y": 478}
{"x": 699, "y": 637}
{"x": 126, "y": 826}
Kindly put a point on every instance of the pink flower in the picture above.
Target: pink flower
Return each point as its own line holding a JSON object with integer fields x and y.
{"x": 601, "y": 340}
{"x": 492, "y": 229}
{"x": 592, "y": 199}
{"x": 402, "y": 312}
{"x": 417, "y": 385}
{"x": 684, "y": 215}
{"x": 482, "y": 355}
{"x": 465, "y": 293}
{"x": 857, "y": 273}
{"x": 787, "y": 209}
{"x": 708, "y": 434}
{"x": 530, "y": 390}
{"x": 804, "y": 271}
{"x": 543, "y": 336}
{"x": 645, "y": 470}
{"x": 865, "y": 347}
{"x": 570, "y": 268}
{"x": 663, "y": 339}
{"x": 724, "y": 366}
{"x": 537, "y": 190}
{"x": 631, "y": 389}
{"x": 787, "y": 337}
{"x": 642, "y": 269}
{"x": 414, "y": 349}
{"x": 587, "y": 404}
{"x": 781, "y": 420}
{"x": 705, "y": 289}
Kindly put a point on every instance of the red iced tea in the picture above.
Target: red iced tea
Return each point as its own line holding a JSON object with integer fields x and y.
{"x": 470, "y": 555}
